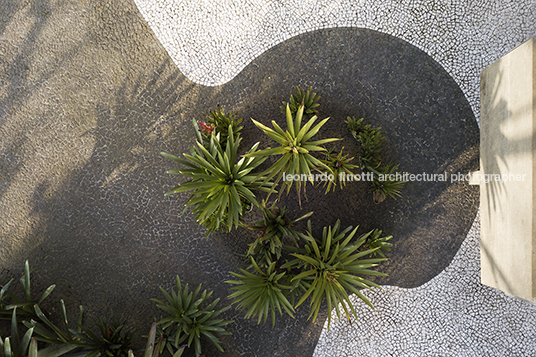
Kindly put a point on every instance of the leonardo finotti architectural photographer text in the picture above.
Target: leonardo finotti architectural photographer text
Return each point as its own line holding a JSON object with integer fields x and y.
{"x": 406, "y": 176}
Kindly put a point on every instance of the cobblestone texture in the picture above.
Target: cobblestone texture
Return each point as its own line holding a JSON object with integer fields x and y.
{"x": 212, "y": 41}
{"x": 89, "y": 96}
{"x": 452, "y": 315}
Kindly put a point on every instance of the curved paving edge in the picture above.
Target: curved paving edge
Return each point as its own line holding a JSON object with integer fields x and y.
{"x": 451, "y": 315}
{"x": 212, "y": 41}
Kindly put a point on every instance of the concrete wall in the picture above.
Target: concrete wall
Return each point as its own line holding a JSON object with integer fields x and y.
{"x": 507, "y": 148}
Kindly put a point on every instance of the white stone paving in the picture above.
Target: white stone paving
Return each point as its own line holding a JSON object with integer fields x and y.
{"x": 212, "y": 41}
{"x": 453, "y": 314}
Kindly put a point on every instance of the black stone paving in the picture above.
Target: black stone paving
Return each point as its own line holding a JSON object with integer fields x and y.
{"x": 110, "y": 238}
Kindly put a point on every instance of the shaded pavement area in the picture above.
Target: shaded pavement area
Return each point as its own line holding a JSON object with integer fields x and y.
{"x": 88, "y": 98}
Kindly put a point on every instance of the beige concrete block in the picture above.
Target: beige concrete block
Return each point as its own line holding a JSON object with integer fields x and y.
{"x": 507, "y": 164}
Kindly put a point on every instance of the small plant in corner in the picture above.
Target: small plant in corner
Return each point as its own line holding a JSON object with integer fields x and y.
{"x": 14, "y": 345}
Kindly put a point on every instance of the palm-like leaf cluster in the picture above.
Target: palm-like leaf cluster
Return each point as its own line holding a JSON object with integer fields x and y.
{"x": 191, "y": 317}
{"x": 221, "y": 122}
{"x": 302, "y": 97}
{"x": 295, "y": 150}
{"x": 331, "y": 267}
{"x": 222, "y": 187}
{"x": 273, "y": 230}
{"x": 261, "y": 294}
{"x": 338, "y": 164}
{"x": 375, "y": 240}
{"x": 327, "y": 268}
{"x": 383, "y": 185}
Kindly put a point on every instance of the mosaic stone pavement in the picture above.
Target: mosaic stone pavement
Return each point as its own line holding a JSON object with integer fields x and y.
{"x": 88, "y": 97}
{"x": 453, "y": 314}
{"x": 212, "y": 41}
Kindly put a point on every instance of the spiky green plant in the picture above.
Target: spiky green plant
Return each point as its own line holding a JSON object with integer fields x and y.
{"x": 331, "y": 267}
{"x": 338, "y": 164}
{"x": 26, "y": 311}
{"x": 191, "y": 317}
{"x": 305, "y": 97}
{"x": 15, "y": 346}
{"x": 112, "y": 339}
{"x": 261, "y": 293}
{"x": 295, "y": 150}
{"x": 375, "y": 240}
{"x": 25, "y": 304}
{"x": 220, "y": 123}
{"x": 221, "y": 187}
{"x": 370, "y": 139}
{"x": 61, "y": 341}
{"x": 383, "y": 184}
{"x": 273, "y": 230}
{"x": 357, "y": 126}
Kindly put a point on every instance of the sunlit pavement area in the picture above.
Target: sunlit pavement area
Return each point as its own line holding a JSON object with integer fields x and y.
{"x": 92, "y": 91}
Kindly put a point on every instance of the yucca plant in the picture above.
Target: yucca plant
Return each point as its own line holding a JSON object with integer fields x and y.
{"x": 295, "y": 150}
{"x": 305, "y": 97}
{"x": 338, "y": 164}
{"x": 24, "y": 305}
{"x": 112, "y": 339}
{"x": 383, "y": 185}
{"x": 15, "y": 346}
{"x": 375, "y": 240}
{"x": 191, "y": 317}
{"x": 61, "y": 343}
{"x": 261, "y": 293}
{"x": 26, "y": 311}
{"x": 332, "y": 266}
{"x": 221, "y": 187}
{"x": 273, "y": 230}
